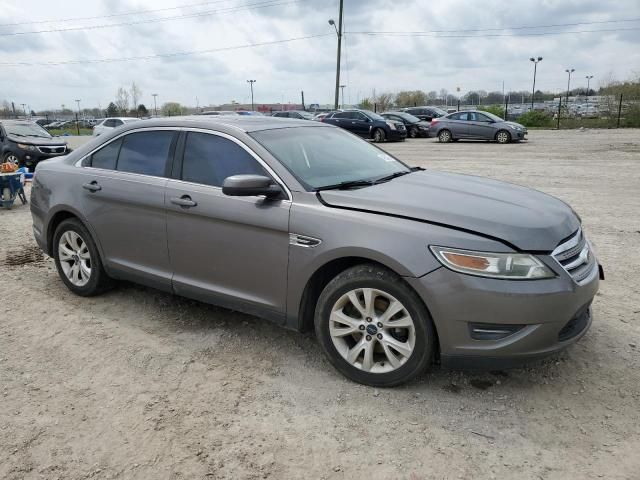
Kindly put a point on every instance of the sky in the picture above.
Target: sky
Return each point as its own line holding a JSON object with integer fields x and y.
{"x": 461, "y": 44}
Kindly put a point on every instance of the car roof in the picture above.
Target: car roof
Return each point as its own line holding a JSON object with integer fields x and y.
{"x": 245, "y": 123}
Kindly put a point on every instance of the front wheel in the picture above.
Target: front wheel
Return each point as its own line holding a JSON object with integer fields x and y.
{"x": 373, "y": 328}
{"x": 503, "y": 136}
{"x": 413, "y": 132}
{"x": 378, "y": 135}
{"x": 10, "y": 157}
{"x": 77, "y": 259}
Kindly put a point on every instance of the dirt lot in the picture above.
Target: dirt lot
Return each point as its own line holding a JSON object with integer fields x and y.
{"x": 140, "y": 384}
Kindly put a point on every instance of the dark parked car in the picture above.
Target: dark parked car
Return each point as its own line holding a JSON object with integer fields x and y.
{"x": 311, "y": 227}
{"x": 476, "y": 125}
{"x": 368, "y": 124}
{"x": 27, "y": 143}
{"x": 415, "y": 127}
{"x": 425, "y": 113}
{"x": 299, "y": 114}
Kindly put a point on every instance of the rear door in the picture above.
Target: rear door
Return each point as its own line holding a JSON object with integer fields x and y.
{"x": 458, "y": 124}
{"x": 123, "y": 185}
{"x": 340, "y": 119}
{"x": 228, "y": 250}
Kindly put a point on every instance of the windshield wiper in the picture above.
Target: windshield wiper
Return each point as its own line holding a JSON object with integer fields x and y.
{"x": 344, "y": 185}
{"x": 392, "y": 176}
{"x": 16, "y": 134}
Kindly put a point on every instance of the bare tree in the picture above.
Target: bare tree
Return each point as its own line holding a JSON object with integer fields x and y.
{"x": 136, "y": 94}
{"x": 384, "y": 101}
{"x": 122, "y": 100}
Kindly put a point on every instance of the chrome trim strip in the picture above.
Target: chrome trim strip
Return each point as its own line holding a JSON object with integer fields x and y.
{"x": 572, "y": 242}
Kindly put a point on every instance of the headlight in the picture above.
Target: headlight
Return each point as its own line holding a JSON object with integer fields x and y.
{"x": 24, "y": 146}
{"x": 392, "y": 125}
{"x": 513, "y": 266}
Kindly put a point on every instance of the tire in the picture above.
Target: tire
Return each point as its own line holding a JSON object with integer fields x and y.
{"x": 11, "y": 158}
{"x": 83, "y": 254}
{"x": 444, "y": 136}
{"x": 347, "y": 350}
{"x": 503, "y": 137}
{"x": 379, "y": 135}
{"x": 413, "y": 132}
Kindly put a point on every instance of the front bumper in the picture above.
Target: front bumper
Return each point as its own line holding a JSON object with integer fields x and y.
{"x": 549, "y": 315}
{"x": 31, "y": 158}
{"x": 395, "y": 135}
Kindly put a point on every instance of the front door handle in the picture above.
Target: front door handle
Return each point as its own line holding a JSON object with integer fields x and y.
{"x": 92, "y": 187}
{"x": 184, "y": 201}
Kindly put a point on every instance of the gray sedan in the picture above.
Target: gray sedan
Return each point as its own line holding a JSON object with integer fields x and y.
{"x": 311, "y": 227}
{"x": 476, "y": 125}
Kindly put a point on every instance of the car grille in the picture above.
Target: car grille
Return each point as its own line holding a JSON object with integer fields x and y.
{"x": 576, "y": 257}
{"x": 53, "y": 150}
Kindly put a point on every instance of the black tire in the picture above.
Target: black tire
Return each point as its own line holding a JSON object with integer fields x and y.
{"x": 444, "y": 136}
{"x": 377, "y": 277}
{"x": 12, "y": 158}
{"x": 99, "y": 281}
{"x": 502, "y": 136}
{"x": 379, "y": 135}
{"x": 413, "y": 132}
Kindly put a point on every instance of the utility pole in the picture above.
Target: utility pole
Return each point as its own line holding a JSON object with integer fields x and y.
{"x": 339, "y": 33}
{"x": 155, "y": 104}
{"x": 588, "y": 77}
{"x": 302, "y": 96}
{"x": 251, "y": 82}
{"x": 342, "y": 88}
{"x": 535, "y": 68}
{"x": 569, "y": 71}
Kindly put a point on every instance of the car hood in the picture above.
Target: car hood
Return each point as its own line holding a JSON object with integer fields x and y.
{"x": 527, "y": 219}
{"x": 37, "y": 140}
{"x": 516, "y": 125}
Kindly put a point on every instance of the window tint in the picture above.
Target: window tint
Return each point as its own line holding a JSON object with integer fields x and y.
{"x": 146, "y": 152}
{"x": 341, "y": 115}
{"x": 106, "y": 157}
{"x": 460, "y": 116}
{"x": 109, "y": 123}
{"x": 117, "y": 123}
{"x": 359, "y": 116}
{"x": 482, "y": 118}
{"x": 209, "y": 159}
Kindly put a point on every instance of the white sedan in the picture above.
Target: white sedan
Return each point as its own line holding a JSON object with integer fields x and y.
{"x": 108, "y": 124}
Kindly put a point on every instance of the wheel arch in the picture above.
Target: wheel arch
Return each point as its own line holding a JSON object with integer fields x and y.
{"x": 60, "y": 215}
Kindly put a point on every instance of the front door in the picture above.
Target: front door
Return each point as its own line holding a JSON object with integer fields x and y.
{"x": 122, "y": 187}
{"x": 232, "y": 251}
{"x": 480, "y": 126}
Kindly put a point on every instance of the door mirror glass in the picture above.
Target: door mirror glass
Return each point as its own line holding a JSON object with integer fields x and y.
{"x": 250, "y": 185}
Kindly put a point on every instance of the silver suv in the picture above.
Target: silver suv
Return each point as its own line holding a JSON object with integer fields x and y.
{"x": 309, "y": 226}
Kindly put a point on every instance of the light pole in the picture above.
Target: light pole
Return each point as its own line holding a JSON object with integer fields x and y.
{"x": 339, "y": 33}
{"x": 342, "y": 88}
{"x": 155, "y": 104}
{"x": 535, "y": 68}
{"x": 77, "y": 100}
{"x": 24, "y": 109}
{"x": 569, "y": 71}
{"x": 588, "y": 77}
{"x": 251, "y": 82}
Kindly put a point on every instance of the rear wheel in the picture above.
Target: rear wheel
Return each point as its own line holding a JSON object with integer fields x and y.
{"x": 77, "y": 259}
{"x": 444, "y": 136}
{"x": 378, "y": 135}
{"x": 373, "y": 328}
{"x": 503, "y": 136}
{"x": 413, "y": 132}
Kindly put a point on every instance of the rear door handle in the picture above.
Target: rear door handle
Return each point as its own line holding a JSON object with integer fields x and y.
{"x": 92, "y": 187}
{"x": 184, "y": 201}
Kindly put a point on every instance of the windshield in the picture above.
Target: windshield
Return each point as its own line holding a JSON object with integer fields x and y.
{"x": 493, "y": 117}
{"x": 372, "y": 115}
{"x": 26, "y": 130}
{"x": 319, "y": 157}
{"x": 407, "y": 116}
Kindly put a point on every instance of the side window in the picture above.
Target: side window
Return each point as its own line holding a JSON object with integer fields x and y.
{"x": 146, "y": 153}
{"x": 482, "y": 118}
{"x": 106, "y": 157}
{"x": 341, "y": 115}
{"x": 108, "y": 123}
{"x": 209, "y": 159}
{"x": 360, "y": 116}
{"x": 117, "y": 123}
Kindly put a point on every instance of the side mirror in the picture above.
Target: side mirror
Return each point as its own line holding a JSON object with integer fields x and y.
{"x": 249, "y": 186}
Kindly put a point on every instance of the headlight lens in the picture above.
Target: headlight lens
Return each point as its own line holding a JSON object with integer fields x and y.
{"x": 24, "y": 146}
{"x": 513, "y": 266}
{"x": 392, "y": 125}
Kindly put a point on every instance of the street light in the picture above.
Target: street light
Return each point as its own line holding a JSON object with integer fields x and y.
{"x": 342, "y": 88}
{"x": 155, "y": 104}
{"x": 251, "y": 82}
{"x": 77, "y": 100}
{"x": 24, "y": 110}
{"x": 535, "y": 68}
{"x": 569, "y": 71}
{"x": 588, "y": 77}
{"x": 339, "y": 34}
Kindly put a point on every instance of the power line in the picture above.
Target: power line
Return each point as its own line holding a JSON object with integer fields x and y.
{"x": 250, "y": 6}
{"x": 537, "y": 34}
{"x": 124, "y": 14}
{"x": 160, "y": 55}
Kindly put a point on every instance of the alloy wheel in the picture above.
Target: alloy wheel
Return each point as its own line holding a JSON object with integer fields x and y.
{"x": 502, "y": 137}
{"x": 372, "y": 330}
{"x": 444, "y": 136}
{"x": 75, "y": 258}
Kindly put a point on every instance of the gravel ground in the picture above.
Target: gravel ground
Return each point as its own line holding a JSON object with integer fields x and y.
{"x": 140, "y": 384}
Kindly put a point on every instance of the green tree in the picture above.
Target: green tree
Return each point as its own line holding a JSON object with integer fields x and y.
{"x": 112, "y": 110}
{"x": 142, "y": 111}
{"x": 171, "y": 109}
